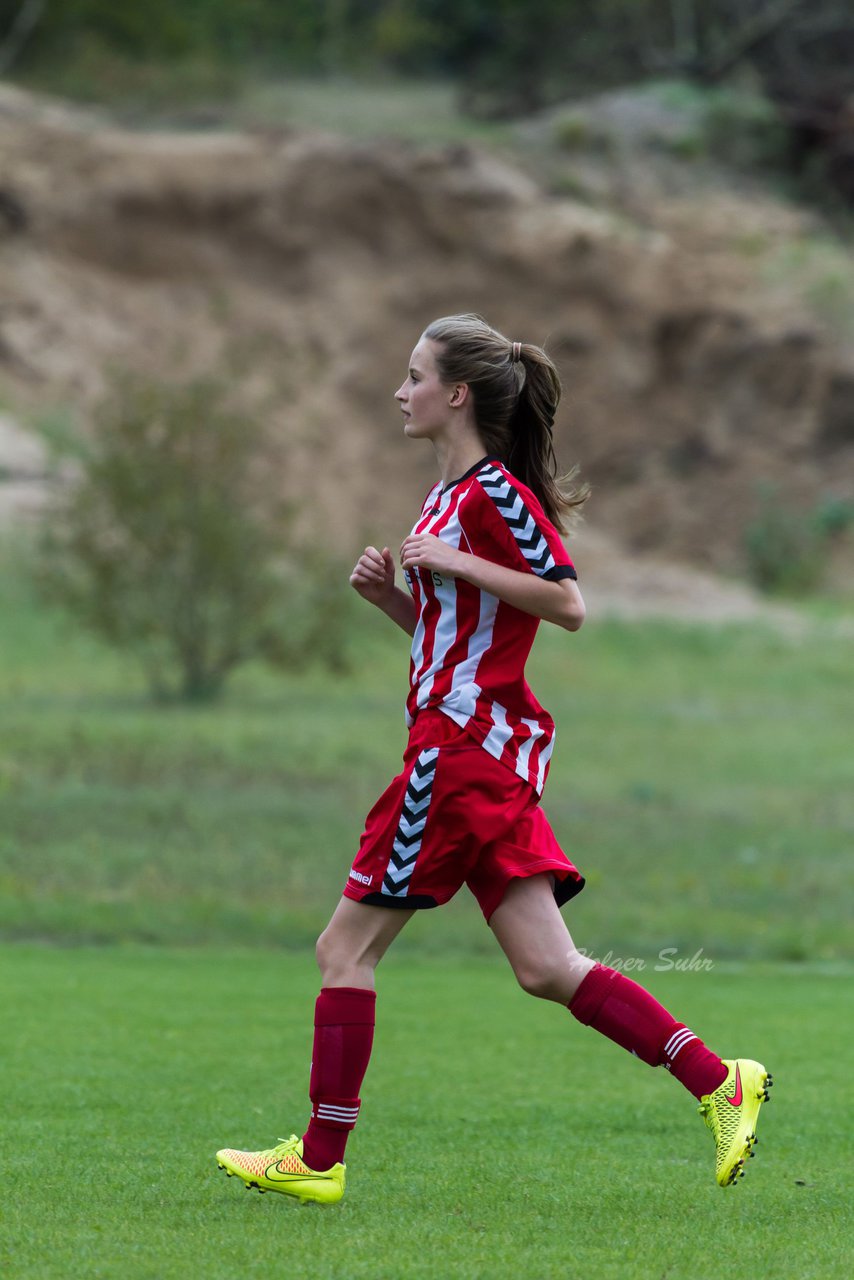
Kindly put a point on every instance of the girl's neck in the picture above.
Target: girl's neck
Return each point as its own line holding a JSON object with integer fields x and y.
{"x": 457, "y": 456}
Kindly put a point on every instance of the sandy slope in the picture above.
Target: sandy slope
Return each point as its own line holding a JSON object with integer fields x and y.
{"x": 306, "y": 265}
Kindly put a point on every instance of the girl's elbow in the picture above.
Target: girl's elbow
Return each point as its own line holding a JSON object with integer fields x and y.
{"x": 568, "y": 609}
{"x": 574, "y": 614}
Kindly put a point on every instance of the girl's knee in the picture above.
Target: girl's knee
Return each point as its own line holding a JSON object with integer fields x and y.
{"x": 542, "y": 981}
{"x": 553, "y": 979}
{"x": 325, "y": 951}
{"x": 341, "y": 963}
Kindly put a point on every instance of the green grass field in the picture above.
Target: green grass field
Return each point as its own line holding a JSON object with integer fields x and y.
{"x": 701, "y": 780}
{"x": 163, "y": 872}
{"x": 497, "y": 1138}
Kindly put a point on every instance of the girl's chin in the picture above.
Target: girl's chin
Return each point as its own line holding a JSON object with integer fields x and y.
{"x": 414, "y": 432}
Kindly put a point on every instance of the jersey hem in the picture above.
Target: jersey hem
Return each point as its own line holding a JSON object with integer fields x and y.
{"x": 478, "y": 734}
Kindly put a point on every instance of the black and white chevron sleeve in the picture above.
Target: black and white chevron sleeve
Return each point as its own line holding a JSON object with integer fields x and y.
{"x": 520, "y": 520}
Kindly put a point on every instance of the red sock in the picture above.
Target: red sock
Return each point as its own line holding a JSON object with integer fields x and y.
{"x": 343, "y": 1036}
{"x": 623, "y": 1011}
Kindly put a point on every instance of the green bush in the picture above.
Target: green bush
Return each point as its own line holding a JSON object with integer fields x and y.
{"x": 572, "y": 132}
{"x": 98, "y": 72}
{"x": 788, "y": 551}
{"x": 174, "y": 543}
{"x": 739, "y": 126}
{"x": 834, "y": 516}
{"x": 782, "y": 550}
{"x": 745, "y": 129}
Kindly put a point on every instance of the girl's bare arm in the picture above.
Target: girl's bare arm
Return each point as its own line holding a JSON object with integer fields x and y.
{"x": 559, "y": 602}
{"x": 373, "y": 578}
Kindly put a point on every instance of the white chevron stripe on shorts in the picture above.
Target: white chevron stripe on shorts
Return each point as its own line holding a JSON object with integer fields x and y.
{"x": 411, "y": 825}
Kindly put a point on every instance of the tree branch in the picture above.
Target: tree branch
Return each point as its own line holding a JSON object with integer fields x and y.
{"x": 747, "y": 37}
{"x": 23, "y": 26}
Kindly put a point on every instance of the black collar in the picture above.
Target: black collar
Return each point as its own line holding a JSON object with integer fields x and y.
{"x": 471, "y": 471}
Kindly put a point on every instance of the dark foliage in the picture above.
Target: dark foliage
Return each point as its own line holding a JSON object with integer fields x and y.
{"x": 509, "y": 56}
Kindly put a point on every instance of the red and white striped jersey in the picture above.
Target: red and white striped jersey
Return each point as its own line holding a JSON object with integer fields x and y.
{"x": 469, "y": 649}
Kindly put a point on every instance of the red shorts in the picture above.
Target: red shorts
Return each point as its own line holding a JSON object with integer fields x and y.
{"x": 454, "y": 816}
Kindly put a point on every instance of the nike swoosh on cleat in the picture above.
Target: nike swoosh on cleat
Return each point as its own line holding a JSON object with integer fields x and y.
{"x": 735, "y": 1100}
{"x": 274, "y": 1174}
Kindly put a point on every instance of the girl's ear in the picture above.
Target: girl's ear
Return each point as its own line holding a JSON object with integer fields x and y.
{"x": 459, "y": 395}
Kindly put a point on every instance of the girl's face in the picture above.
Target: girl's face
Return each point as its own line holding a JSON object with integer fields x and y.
{"x": 424, "y": 399}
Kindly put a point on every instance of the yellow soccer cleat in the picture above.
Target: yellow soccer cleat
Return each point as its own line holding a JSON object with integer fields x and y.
{"x": 731, "y": 1113}
{"x": 282, "y": 1169}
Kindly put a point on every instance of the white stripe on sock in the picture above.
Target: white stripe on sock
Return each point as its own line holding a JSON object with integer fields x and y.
{"x": 681, "y": 1034}
{"x": 678, "y": 1041}
{"x": 326, "y": 1112}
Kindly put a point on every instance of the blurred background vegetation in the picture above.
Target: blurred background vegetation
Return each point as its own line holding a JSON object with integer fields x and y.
{"x": 175, "y": 543}
{"x": 792, "y": 61}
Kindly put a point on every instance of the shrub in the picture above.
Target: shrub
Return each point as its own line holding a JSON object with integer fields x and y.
{"x": 834, "y": 516}
{"x": 175, "y": 544}
{"x": 782, "y": 549}
{"x": 788, "y": 551}
{"x": 745, "y": 129}
{"x": 571, "y": 132}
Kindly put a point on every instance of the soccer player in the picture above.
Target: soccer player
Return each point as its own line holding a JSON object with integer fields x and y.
{"x": 483, "y": 565}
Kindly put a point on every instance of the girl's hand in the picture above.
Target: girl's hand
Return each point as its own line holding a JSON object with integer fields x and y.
{"x": 426, "y": 551}
{"x": 373, "y": 576}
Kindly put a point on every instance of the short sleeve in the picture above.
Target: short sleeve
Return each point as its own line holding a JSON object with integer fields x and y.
{"x": 521, "y": 526}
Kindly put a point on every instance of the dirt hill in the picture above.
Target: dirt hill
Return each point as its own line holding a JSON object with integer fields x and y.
{"x": 309, "y": 264}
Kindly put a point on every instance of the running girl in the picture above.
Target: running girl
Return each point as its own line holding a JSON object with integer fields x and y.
{"x": 483, "y": 565}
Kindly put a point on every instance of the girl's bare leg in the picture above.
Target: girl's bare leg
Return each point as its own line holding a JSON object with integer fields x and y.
{"x": 531, "y": 932}
{"x": 355, "y": 940}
